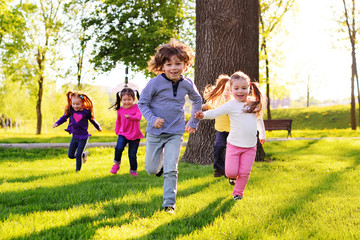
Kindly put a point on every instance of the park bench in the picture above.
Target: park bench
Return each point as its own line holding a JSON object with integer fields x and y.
{"x": 278, "y": 124}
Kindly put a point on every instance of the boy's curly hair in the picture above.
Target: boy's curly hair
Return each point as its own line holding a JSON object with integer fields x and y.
{"x": 167, "y": 51}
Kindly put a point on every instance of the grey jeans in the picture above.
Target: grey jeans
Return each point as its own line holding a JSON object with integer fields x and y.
{"x": 164, "y": 151}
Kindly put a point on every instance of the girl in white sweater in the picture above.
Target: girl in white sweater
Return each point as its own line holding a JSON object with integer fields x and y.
{"x": 245, "y": 112}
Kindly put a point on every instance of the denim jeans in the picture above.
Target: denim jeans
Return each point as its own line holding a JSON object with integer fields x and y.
{"x": 164, "y": 151}
{"x": 220, "y": 149}
{"x": 132, "y": 152}
{"x": 76, "y": 148}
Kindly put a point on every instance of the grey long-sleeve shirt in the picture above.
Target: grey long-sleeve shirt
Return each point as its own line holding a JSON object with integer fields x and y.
{"x": 162, "y": 98}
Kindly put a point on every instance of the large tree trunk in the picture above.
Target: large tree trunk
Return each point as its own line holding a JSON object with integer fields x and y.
{"x": 227, "y": 40}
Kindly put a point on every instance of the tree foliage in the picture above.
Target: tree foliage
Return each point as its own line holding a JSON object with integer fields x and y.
{"x": 129, "y": 31}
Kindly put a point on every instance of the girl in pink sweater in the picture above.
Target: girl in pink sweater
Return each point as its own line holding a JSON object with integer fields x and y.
{"x": 127, "y": 128}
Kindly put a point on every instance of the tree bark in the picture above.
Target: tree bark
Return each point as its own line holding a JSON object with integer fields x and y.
{"x": 227, "y": 40}
{"x": 352, "y": 35}
{"x": 40, "y": 58}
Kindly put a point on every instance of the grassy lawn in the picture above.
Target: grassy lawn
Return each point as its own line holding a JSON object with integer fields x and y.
{"x": 312, "y": 122}
{"x": 307, "y": 189}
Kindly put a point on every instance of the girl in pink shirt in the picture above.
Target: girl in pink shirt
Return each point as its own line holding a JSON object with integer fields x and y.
{"x": 127, "y": 128}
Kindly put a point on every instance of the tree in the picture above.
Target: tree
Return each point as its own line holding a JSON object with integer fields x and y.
{"x": 77, "y": 11}
{"x": 12, "y": 20}
{"x": 129, "y": 31}
{"x": 272, "y": 13}
{"x": 227, "y": 40}
{"x": 46, "y": 25}
{"x": 350, "y": 22}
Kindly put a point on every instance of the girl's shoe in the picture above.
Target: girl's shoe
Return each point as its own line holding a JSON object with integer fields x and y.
{"x": 237, "y": 197}
{"x": 84, "y": 156}
{"x": 115, "y": 168}
{"x": 133, "y": 173}
{"x": 232, "y": 181}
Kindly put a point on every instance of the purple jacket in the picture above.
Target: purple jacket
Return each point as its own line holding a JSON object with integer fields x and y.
{"x": 78, "y": 123}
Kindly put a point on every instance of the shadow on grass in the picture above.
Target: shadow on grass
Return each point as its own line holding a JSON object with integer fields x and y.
{"x": 191, "y": 223}
{"x": 34, "y": 178}
{"x": 19, "y": 154}
{"x": 86, "y": 227}
{"x": 291, "y": 210}
{"x": 290, "y": 148}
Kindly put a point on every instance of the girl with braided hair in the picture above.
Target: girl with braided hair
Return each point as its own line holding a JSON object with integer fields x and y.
{"x": 80, "y": 110}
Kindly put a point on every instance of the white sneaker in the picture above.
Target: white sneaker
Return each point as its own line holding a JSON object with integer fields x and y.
{"x": 84, "y": 156}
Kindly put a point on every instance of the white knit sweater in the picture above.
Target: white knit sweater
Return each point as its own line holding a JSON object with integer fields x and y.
{"x": 243, "y": 126}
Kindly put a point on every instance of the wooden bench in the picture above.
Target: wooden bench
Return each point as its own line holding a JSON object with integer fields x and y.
{"x": 278, "y": 124}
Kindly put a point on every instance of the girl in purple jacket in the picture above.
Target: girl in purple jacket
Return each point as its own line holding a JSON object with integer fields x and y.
{"x": 80, "y": 110}
{"x": 127, "y": 128}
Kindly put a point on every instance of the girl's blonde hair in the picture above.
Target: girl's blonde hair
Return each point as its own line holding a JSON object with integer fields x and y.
{"x": 257, "y": 101}
{"x": 212, "y": 93}
{"x": 87, "y": 103}
{"x": 166, "y": 52}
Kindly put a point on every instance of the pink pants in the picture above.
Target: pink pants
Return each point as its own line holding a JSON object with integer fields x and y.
{"x": 238, "y": 163}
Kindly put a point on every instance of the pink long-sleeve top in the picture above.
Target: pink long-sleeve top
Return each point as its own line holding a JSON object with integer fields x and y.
{"x": 129, "y": 127}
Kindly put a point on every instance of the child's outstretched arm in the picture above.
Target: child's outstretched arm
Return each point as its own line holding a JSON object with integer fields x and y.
{"x": 96, "y": 124}
{"x": 195, "y": 97}
{"x": 61, "y": 120}
{"x": 261, "y": 129}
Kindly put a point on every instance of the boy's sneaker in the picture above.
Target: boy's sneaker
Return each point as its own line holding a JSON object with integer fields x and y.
{"x": 133, "y": 173}
{"x": 219, "y": 172}
{"x": 232, "y": 181}
{"x": 84, "y": 156}
{"x": 160, "y": 172}
{"x": 115, "y": 168}
{"x": 237, "y": 197}
{"x": 170, "y": 210}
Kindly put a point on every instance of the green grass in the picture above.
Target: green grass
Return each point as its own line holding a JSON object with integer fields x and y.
{"x": 313, "y": 122}
{"x": 315, "y": 118}
{"x": 307, "y": 190}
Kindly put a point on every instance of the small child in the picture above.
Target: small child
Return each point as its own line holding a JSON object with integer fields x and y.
{"x": 80, "y": 110}
{"x": 162, "y": 104}
{"x": 245, "y": 111}
{"x": 127, "y": 128}
{"x": 216, "y": 96}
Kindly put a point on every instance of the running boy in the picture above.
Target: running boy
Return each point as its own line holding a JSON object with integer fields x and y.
{"x": 162, "y": 105}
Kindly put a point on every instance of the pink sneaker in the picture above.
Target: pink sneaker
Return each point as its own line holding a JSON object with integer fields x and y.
{"x": 133, "y": 173}
{"x": 115, "y": 168}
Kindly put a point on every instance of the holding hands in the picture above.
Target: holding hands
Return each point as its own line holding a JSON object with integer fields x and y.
{"x": 199, "y": 115}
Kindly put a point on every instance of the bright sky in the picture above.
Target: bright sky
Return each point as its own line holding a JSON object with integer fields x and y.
{"x": 311, "y": 52}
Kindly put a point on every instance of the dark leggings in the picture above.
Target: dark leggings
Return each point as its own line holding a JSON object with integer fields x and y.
{"x": 78, "y": 146}
{"x": 220, "y": 150}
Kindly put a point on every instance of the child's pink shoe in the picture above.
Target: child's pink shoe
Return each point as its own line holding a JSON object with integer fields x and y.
{"x": 133, "y": 173}
{"x": 115, "y": 168}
